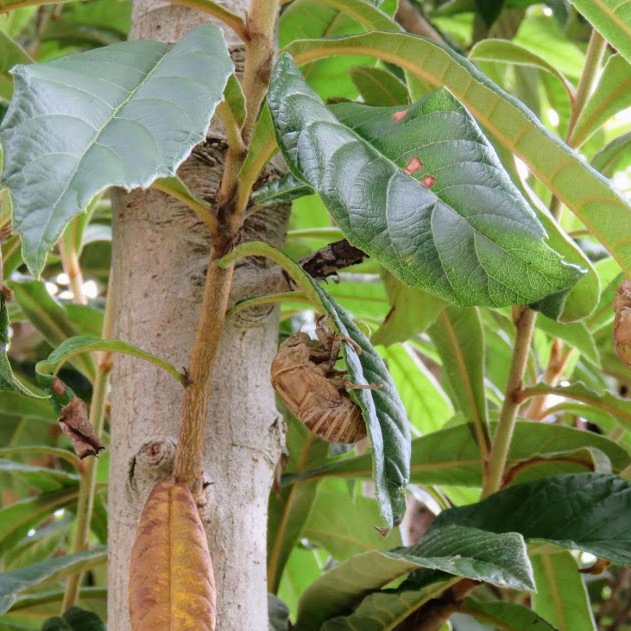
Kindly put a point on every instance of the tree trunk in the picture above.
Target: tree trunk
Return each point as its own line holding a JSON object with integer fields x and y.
{"x": 159, "y": 258}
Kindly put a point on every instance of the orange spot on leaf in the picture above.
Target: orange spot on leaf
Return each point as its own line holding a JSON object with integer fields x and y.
{"x": 413, "y": 166}
{"x": 398, "y": 116}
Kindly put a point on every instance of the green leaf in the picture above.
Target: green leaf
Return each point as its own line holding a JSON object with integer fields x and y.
{"x": 612, "y": 94}
{"x": 459, "y": 551}
{"x": 8, "y": 381}
{"x": 413, "y": 311}
{"x": 74, "y": 619}
{"x": 18, "y": 518}
{"x": 344, "y": 533}
{"x": 617, "y": 407}
{"x": 507, "y": 616}
{"x": 616, "y": 156}
{"x": 233, "y": 95}
{"x": 50, "y": 318}
{"x": 84, "y": 344}
{"x": 507, "y": 52}
{"x": 177, "y": 188}
{"x": 576, "y": 334}
{"x": 451, "y": 457}
{"x": 43, "y": 479}
{"x": 314, "y": 19}
{"x": 289, "y": 508}
{"x": 382, "y": 409}
{"x": 561, "y": 597}
{"x": 122, "y": 115}
{"x": 17, "y": 581}
{"x": 379, "y": 87}
{"x": 459, "y": 339}
{"x": 440, "y": 240}
{"x": 384, "y": 610}
{"x": 585, "y": 511}
{"x": 611, "y": 18}
{"x": 426, "y": 404}
{"x": 285, "y": 189}
{"x": 11, "y": 53}
{"x": 383, "y": 412}
{"x": 589, "y": 195}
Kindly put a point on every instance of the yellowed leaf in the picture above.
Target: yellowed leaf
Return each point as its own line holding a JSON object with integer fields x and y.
{"x": 172, "y": 585}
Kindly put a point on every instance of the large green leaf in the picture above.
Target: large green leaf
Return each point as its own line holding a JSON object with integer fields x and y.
{"x": 506, "y": 616}
{"x": 84, "y": 344}
{"x": 43, "y": 479}
{"x": 612, "y": 94}
{"x": 561, "y": 597}
{"x": 122, "y": 115}
{"x": 383, "y": 412}
{"x": 505, "y": 51}
{"x": 313, "y": 19}
{"x": 384, "y": 610}
{"x": 426, "y": 404}
{"x": 612, "y": 19}
{"x": 472, "y": 239}
{"x": 379, "y": 87}
{"x": 463, "y": 552}
{"x": 451, "y": 456}
{"x": 18, "y": 518}
{"x": 586, "y": 511}
{"x": 289, "y": 507}
{"x": 413, "y": 311}
{"x": 381, "y": 407}
{"x": 345, "y": 531}
{"x": 618, "y": 407}
{"x": 17, "y": 581}
{"x": 11, "y": 53}
{"x": 589, "y": 195}
{"x": 459, "y": 339}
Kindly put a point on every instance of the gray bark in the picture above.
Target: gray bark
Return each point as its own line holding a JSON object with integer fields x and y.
{"x": 160, "y": 254}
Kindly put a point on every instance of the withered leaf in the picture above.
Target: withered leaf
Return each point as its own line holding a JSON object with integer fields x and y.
{"x": 172, "y": 584}
{"x": 75, "y": 425}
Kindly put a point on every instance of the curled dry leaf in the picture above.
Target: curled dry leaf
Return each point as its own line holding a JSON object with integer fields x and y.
{"x": 74, "y": 423}
{"x": 622, "y": 322}
{"x": 304, "y": 377}
{"x": 172, "y": 585}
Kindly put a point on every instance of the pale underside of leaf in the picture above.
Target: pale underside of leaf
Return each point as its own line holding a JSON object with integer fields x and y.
{"x": 122, "y": 115}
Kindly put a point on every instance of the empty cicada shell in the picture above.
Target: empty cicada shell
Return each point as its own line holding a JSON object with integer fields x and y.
{"x": 304, "y": 377}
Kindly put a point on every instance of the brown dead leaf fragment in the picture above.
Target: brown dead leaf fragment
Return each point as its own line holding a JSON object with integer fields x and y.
{"x": 75, "y": 425}
{"x": 622, "y": 322}
{"x": 172, "y": 584}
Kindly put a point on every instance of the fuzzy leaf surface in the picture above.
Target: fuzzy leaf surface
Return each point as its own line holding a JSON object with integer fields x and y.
{"x": 123, "y": 115}
{"x": 471, "y": 239}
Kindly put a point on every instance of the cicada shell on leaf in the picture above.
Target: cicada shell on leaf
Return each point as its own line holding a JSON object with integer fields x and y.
{"x": 304, "y": 377}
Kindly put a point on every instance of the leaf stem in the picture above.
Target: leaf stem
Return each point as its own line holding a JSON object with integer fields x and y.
{"x": 589, "y": 77}
{"x": 70, "y": 261}
{"x": 190, "y": 448}
{"x": 234, "y": 21}
{"x": 260, "y": 248}
{"x": 498, "y": 456}
{"x": 87, "y": 485}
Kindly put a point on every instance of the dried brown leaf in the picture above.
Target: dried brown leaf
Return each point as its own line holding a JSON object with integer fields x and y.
{"x": 75, "y": 425}
{"x": 172, "y": 584}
